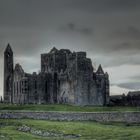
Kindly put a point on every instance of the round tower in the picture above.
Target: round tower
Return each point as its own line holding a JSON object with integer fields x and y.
{"x": 8, "y": 74}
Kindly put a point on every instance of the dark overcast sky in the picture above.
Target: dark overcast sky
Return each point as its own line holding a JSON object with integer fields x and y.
{"x": 108, "y": 30}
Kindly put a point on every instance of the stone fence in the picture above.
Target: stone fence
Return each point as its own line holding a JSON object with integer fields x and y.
{"x": 130, "y": 117}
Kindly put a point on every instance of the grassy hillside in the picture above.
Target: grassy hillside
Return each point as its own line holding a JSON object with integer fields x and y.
{"x": 56, "y": 107}
{"x": 87, "y": 129}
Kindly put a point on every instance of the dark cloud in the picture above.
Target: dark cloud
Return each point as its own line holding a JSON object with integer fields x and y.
{"x": 126, "y": 49}
{"x": 103, "y": 5}
{"x": 130, "y": 32}
{"x": 123, "y": 43}
{"x": 77, "y": 29}
{"x": 37, "y": 13}
{"x": 23, "y": 42}
{"x": 117, "y": 61}
{"x": 130, "y": 85}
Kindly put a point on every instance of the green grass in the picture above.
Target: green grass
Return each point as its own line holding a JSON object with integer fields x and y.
{"x": 88, "y": 129}
{"x": 62, "y": 107}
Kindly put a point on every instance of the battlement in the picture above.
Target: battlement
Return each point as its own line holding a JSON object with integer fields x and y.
{"x": 81, "y": 54}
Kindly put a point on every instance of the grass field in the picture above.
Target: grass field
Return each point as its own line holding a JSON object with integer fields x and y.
{"x": 89, "y": 130}
{"x": 58, "y": 107}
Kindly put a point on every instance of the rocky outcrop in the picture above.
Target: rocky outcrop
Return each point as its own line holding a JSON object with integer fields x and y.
{"x": 43, "y": 133}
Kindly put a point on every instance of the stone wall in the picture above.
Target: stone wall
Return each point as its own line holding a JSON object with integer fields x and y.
{"x": 130, "y": 117}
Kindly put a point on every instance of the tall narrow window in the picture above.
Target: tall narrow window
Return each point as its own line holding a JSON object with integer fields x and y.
{"x": 20, "y": 86}
{"x": 35, "y": 84}
{"x": 17, "y": 87}
{"x": 14, "y": 88}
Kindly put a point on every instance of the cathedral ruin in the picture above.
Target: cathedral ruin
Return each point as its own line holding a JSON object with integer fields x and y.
{"x": 65, "y": 77}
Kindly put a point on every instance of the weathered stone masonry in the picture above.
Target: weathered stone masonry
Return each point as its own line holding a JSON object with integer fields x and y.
{"x": 130, "y": 117}
{"x": 65, "y": 77}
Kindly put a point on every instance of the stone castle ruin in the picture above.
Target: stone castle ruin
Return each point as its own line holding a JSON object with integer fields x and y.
{"x": 65, "y": 77}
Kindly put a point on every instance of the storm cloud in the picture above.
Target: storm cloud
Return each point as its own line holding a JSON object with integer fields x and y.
{"x": 71, "y": 27}
{"x": 133, "y": 85}
{"x": 108, "y": 30}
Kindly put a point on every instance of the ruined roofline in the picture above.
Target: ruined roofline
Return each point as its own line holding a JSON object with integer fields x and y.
{"x": 134, "y": 93}
{"x": 79, "y": 54}
{"x": 100, "y": 70}
{"x": 18, "y": 67}
{"x": 55, "y": 50}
